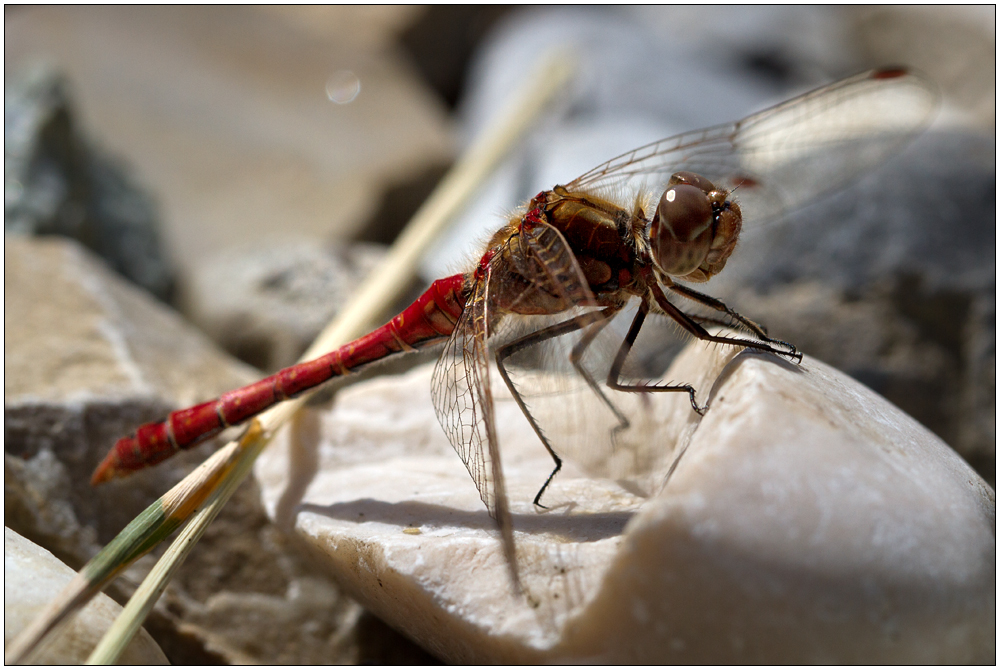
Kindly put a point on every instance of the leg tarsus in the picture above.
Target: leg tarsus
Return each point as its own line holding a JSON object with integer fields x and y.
{"x": 700, "y": 411}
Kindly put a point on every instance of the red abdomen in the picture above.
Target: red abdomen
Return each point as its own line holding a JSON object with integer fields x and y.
{"x": 429, "y": 319}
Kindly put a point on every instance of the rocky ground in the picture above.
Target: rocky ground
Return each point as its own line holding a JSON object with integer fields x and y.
{"x": 244, "y": 164}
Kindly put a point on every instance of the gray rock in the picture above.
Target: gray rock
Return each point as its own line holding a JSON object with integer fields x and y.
{"x": 57, "y": 183}
{"x": 810, "y": 521}
{"x": 247, "y": 594}
{"x": 225, "y": 112}
{"x": 32, "y": 578}
{"x": 955, "y": 44}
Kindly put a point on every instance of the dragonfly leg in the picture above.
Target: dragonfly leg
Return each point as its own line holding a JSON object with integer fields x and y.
{"x": 755, "y": 328}
{"x": 506, "y": 351}
{"x": 690, "y": 324}
{"x": 711, "y": 320}
{"x": 614, "y": 374}
{"x": 576, "y": 357}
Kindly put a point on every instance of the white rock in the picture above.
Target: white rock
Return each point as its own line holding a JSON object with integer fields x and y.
{"x": 32, "y": 578}
{"x": 808, "y": 520}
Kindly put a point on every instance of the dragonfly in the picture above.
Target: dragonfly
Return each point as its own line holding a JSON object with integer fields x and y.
{"x": 580, "y": 255}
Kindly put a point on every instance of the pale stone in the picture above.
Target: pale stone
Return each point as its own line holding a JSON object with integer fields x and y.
{"x": 807, "y": 520}
{"x": 32, "y": 578}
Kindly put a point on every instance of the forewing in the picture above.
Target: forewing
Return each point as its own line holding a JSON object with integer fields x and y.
{"x": 785, "y": 156}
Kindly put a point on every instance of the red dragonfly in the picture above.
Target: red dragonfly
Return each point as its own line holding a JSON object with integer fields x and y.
{"x": 578, "y": 255}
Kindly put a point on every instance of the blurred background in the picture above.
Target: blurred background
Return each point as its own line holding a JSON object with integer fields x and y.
{"x": 248, "y": 165}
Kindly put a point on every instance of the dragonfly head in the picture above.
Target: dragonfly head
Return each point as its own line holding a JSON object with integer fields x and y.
{"x": 694, "y": 229}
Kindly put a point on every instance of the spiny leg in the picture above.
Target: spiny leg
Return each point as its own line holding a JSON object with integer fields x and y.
{"x": 691, "y": 325}
{"x": 718, "y": 305}
{"x": 576, "y": 358}
{"x": 614, "y": 374}
{"x": 530, "y": 340}
{"x": 711, "y": 320}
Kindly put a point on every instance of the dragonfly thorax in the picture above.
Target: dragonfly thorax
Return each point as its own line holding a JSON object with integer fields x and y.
{"x": 694, "y": 229}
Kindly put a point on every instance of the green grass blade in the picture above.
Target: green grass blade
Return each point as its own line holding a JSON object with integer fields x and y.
{"x": 152, "y": 526}
{"x": 118, "y": 637}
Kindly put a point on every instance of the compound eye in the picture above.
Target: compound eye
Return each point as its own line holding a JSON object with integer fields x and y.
{"x": 685, "y": 211}
{"x": 692, "y": 178}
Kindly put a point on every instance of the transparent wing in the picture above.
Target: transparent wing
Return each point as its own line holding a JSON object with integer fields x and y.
{"x": 460, "y": 388}
{"x": 784, "y": 156}
{"x": 461, "y": 391}
{"x": 539, "y": 270}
